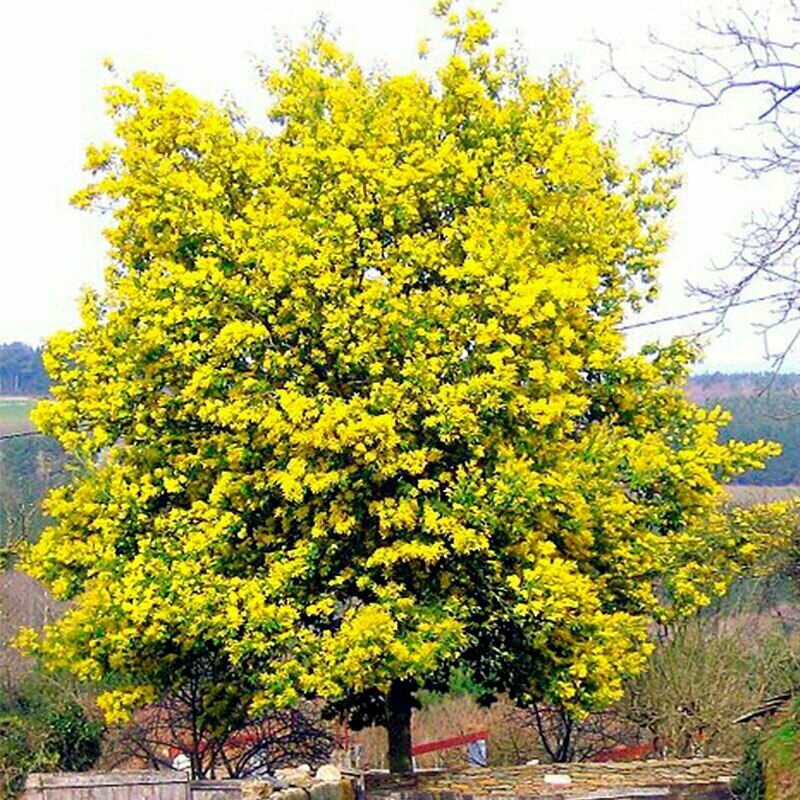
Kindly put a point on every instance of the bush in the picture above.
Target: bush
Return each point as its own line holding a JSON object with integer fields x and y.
{"x": 704, "y": 675}
{"x": 74, "y": 737}
{"x": 43, "y": 729}
{"x": 750, "y": 783}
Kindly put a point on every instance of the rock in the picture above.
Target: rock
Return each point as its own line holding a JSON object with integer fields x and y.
{"x": 294, "y": 793}
{"x": 328, "y": 790}
{"x": 328, "y": 773}
{"x": 295, "y": 776}
{"x": 256, "y": 790}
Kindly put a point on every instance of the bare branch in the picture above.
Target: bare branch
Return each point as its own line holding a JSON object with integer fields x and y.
{"x": 750, "y": 56}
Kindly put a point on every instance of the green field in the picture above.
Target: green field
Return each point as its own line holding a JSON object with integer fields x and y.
{"x": 15, "y": 414}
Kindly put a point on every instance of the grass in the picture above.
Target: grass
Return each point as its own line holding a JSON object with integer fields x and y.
{"x": 15, "y": 414}
{"x": 781, "y": 751}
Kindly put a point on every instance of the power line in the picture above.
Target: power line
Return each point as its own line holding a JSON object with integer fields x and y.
{"x": 702, "y": 311}
{"x": 20, "y": 434}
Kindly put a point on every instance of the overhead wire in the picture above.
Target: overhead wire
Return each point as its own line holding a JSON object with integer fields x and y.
{"x": 19, "y": 434}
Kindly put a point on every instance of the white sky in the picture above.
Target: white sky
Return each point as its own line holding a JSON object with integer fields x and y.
{"x": 52, "y": 77}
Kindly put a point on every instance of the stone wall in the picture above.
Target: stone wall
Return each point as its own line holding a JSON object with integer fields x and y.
{"x": 689, "y": 779}
{"x": 693, "y": 779}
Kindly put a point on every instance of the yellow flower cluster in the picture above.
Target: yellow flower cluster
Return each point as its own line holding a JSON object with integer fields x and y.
{"x": 354, "y": 404}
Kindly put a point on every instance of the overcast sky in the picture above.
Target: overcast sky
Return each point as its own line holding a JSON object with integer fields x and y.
{"x": 51, "y": 57}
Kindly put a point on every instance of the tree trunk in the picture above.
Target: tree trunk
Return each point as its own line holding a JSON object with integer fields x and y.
{"x": 398, "y": 726}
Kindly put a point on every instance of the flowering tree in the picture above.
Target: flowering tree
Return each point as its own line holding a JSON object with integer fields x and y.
{"x": 354, "y": 407}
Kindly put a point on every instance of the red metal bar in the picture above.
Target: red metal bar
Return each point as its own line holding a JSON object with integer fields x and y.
{"x": 445, "y": 744}
{"x": 623, "y": 753}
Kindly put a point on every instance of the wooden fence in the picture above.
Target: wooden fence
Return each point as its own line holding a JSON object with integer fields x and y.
{"x": 127, "y": 786}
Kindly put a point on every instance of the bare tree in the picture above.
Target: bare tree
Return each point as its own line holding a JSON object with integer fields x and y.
{"x": 206, "y": 718}
{"x": 744, "y": 65}
{"x": 566, "y": 738}
{"x": 274, "y": 740}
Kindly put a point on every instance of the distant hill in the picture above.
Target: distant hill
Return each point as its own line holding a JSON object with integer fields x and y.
{"x": 764, "y": 406}
{"x": 716, "y": 385}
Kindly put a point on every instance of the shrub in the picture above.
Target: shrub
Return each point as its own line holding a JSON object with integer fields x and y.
{"x": 42, "y": 728}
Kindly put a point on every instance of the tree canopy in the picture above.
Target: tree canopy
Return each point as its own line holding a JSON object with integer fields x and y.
{"x": 354, "y": 407}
